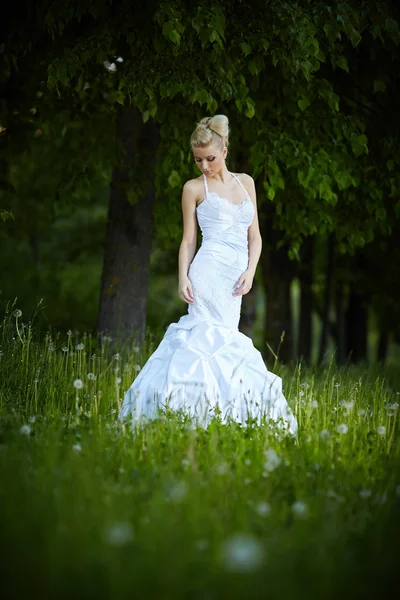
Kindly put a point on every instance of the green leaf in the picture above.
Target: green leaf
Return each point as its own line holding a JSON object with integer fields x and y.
{"x": 379, "y": 86}
{"x": 331, "y": 32}
{"x": 246, "y": 48}
{"x": 359, "y": 144}
{"x": 250, "y": 110}
{"x": 342, "y": 63}
{"x": 174, "y": 179}
{"x": 303, "y": 103}
{"x": 170, "y": 32}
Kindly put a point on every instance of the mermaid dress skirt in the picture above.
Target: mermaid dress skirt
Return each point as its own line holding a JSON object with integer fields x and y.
{"x": 204, "y": 366}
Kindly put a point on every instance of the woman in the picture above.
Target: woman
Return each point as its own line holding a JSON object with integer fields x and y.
{"x": 204, "y": 365}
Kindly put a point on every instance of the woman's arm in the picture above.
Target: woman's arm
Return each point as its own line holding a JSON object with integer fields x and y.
{"x": 255, "y": 242}
{"x": 187, "y": 248}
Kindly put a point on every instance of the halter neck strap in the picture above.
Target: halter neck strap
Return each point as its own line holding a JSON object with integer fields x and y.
{"x": 205, "y": 183}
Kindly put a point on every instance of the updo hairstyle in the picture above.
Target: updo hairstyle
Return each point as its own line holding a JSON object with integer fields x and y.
{"x": 211, "y": 130}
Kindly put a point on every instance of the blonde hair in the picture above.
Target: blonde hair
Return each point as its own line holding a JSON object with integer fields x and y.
{"x": 211, "y": 130}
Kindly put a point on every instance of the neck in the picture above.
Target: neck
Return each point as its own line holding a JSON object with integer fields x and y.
{"x": 223, "y": 176}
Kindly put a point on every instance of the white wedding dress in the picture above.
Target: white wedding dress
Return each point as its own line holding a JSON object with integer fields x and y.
{"x": 204, "y": 361}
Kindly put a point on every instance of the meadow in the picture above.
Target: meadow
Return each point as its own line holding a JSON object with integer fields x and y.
{"x": 90, "y": 507}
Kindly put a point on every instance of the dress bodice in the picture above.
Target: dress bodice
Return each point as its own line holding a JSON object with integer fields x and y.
{"x": 220, "y": 219}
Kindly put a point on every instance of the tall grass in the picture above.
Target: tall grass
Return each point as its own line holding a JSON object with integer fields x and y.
{"x": 90, "y": 508}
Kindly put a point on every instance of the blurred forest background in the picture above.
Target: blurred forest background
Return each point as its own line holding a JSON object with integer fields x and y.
{"x": 97, "y": 103}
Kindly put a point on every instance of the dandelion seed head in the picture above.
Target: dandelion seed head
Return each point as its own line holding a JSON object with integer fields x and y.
{"x": 32, "y": 419}
{"x": 119, "y": 534}
{"x": 342, "y": 428}
{"x": 314, "y": 404}
{"x": 263, "y": 509}
{"x": 273, "y": 460}
{"x": 79, "y": 346}
{"x": 177, "y": 491}
{"x": 92, "y": 376}
{"x": 222, "y": 468}
{"x": 136, "y": 367}
{"x": 118, "y": 380}
{"x": 77, "y": 447}
{"x": 201, "y": 545}
{"x": 324, "y": 434}
{"x": 365, "y": 493}
{"x": 299, "y": 508}
{"x": 381, "y": 430}
{"x": 242, "y": 553}
{"x": 78, "y": 384}
{"x": 25, "y": 430}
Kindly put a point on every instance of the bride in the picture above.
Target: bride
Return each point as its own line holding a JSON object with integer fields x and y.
{"x": 204, "y": 366}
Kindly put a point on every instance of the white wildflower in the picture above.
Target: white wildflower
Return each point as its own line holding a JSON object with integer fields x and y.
{"x": 119, "y": 59}
{"x": 348, "y": 405}
{"x": 324, "y": 434}
{"x": 299, "y": 508}
{"x": 365, "y": 493}
{"x": 136, "y": 367}
{"x": 32, "y": 419}
{"x": 362, "y": 412}
{"x": 273, "y": 461}
{"x": 118, "y": 380}
{"x": 119, "y": 534}
{"x": 263, "y": 509}
{"x": 342, "y": 428}
{"x": 177, "y": 491}
{"x": 381, "y": 429}
{"x": 222, "y": 468}
{"x": 201, "y": 544}
{"x": 17, "y": 313}
{"x": 314, "y": 404}
{"x": 242, "y": 553}
{"x": 78, "y": 384}
{"x": 64, "y": 349}
{"x": 92, "y": 376}
{"x": 26, "y": 430}
{"x": 77, "y": 447}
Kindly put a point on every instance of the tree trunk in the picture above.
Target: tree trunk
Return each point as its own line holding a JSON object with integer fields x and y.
{"x": 306, "y": 300}
{"x": 124, "y": 285}
{"x": 277, "y": 273}
{"x": 327, "y": 298}
{"x": 383, "y": 346}
{"x": 340, "y": 324}
{"x": 249, "y": 311}
{"x": 356, "y": 328}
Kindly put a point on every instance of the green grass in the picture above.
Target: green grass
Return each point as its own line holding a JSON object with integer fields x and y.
{"x": 89, "y": 508}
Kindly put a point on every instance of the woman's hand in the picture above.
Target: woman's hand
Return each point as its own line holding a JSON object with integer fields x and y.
{"x": 185, "y": 290}
{"x": 244, "y": 284}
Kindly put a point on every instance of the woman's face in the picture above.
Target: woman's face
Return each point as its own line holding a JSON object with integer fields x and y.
{"x": 209, "y": 159}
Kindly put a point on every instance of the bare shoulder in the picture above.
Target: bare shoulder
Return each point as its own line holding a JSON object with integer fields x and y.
{"x": 192, "y": 189}
{"x": 246, "y": 179}
{"x": 248, "y": 182}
